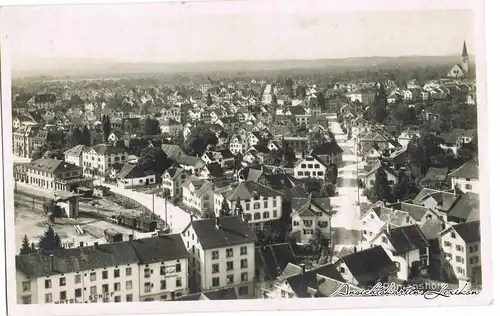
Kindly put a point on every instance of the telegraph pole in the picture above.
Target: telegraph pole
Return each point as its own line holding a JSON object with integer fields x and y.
{"x": 357, "y": 172}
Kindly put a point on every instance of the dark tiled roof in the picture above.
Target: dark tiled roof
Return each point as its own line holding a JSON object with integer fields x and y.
{"x": 327, "y": 148}
{"x": 103, "y": 149}
{"x": 161, "y": 248}
{"x": 276, "y": 257}
{"x": 432, "y": 228}
{"x": 214, "y": 169}
{"x": 132, "y": 171}
{"x": 466, "y": 208}
{"x": 470, "y": 232}
{"x": 232, "y": 230}
{"x": 468, "y": 170}
{"x": 370, "y": 265}
{"x": 247, "y": 189}
{"x": 435, "y": 174}
{"x": 407, "y": 238}
{"x": 222, "y": 294}
{"x": 52, "y": 165}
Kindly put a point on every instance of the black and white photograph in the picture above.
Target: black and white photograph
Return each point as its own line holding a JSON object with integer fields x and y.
{"x": 236, "y": 151}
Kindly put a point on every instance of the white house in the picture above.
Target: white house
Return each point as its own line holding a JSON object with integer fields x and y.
{"x": 197, "y": 193}
{"x": 98, "y": 159}
{"x": 308, "y": 215}
{"x": 222, "y": 251}
{"x": 131, "y": 176}
{"x": 172, "y": 179}
{"x": 74, "y": 155}
{"x": 310, "y": 167}
{"x": 466, "y": 177}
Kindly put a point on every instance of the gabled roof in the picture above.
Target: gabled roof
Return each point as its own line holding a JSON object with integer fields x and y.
{"x": 76, "y": 151}
{"x": 435, "y": 175}
{"x": 370, "y": 265}
{"x": 52, "y": 165}
{"x": 232, "y": 230}
{"x": 303, "y": 206}
{"x": 432, "y": 228}
{"x": 161, "y": 248}
{"x": 274, "y": 259}
{"x": 466, "y": 208}
{"x": 407, "y": 238}
{"x": 327, "y": 148}
{"x": 303, "y": 159}
{"x": 129, "y": 171}
{"x": 173, "y": 151}
{"x": 417, "y": 212}
{"x": 470, "y": 232}
{"x": 468, "y": 170}
{"x": 248, "y": 189}
{"x": 103, "y": 149}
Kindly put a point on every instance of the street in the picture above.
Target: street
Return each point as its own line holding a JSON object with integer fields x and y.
{"x": 178, "y": 219}
{"x": 346, "y": 222}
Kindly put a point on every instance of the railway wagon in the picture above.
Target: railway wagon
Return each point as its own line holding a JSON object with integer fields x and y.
{"x": 140, "y": 222}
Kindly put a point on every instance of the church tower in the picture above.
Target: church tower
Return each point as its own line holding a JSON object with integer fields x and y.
{"x": 465, "y": 61}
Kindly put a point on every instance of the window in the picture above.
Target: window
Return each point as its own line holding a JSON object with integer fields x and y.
{"x": 243, "y": 290}
{"x": 48, "y": 284}
{"x": 474, "y": 260}
{"x": 215, "y": 254}
{"x": 105, "y": 288}
{"x": 178, "y": 282}
{"x": 473, "y": 248}
{"x": 147, "y": 272}
{"x": 308, "y": 223}
{"x": 283, "y": 294}
{"x": 303, "y": 165}
{"x": 62, "y": 295}
{"x": 128, "y": 271}
{"x": 163, "y": 284}
{"x": 342, "y": 270}
{"x": 229, "y": 253}
{"x": 229, "y": 266}
{"x": 118, "y": 299}
{"x": 215, "y": 282}
{"x": 459, "y": 248}
{"x": 116, "y": 273}
{"x": 78, "y": 292}
{"x": 178, "y": 266}
{"x": 129, "y": 297}
{"x": 92, "y": 276}
{"x": 78, "y": 279}
{"x": 459, "y": 259}
{"x": 116, "y": 286}
{"x": 243, "y": 250}
{"x": 147, "y": 287}
{"x": 468, "y": 186}
{"x": 215, "y": 268}
{"x": 447, "y": 244}
{"x": 453, "y": 235}
{"x": 128, "y": 285}
{"x": 93, "y": 290}
{"x": 256, "y": 206}
{"x": 266, "y": 214}
{"x": 265, "y": 204}
{"x": 316, "y": 166}
{"x": 320, "y": 173}
{"x": 384, "y": 240}
{"x": 244, "y": 276}
{"x": 256, "y": 216}
{"x": 26, "y": 299}
{"x": 364, "y": 232}
{"x": 230, "y": 279}
{"x": 26, "y": 286}
{"x": 274, "y": 202}
{"x": 104, "y": 275}
{"x": 48, "y": 298}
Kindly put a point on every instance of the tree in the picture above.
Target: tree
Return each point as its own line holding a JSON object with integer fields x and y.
{"x": 154, "y": 158}
{"x": 224, "y": 209}
{"x": 198, "y": 140}
{"x": 318, "y": 241}
{"x": 50, "y": 240}
{"x": 274, "y": 98}
{"x": 238, "y": 209}
{"x": 152, "y": 127}
{"x": 332, "y": 173}
{"x": 106, "y": 127}
{"x": 209, "y": 100}
{"x": 25, "y": 248}
{"x": 86, "y": 138}
{"x": 76, "y": 136}
{"x": 381, "y": 188}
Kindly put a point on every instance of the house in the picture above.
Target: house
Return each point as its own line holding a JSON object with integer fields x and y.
{"x": 257, "y": 154}
{"x": 359, "y": 125}
{"x": 406, "y": 136}
{"x": 465, "y": 209}
{"x": 270, "y": 262}
{"x": 74, "y": 155}
{"x": 364, "y": 96}
{"x": 379, "y": 216}
{"x": 173, "y": 152}
{"x": 466, "y": 177}
{"x": 131, "y": 176}
{"x": 224, "y": 157}
{"x": 98, "y": 159}
{"x": 191, "y": 163}
{"x": 310, "y": 167}
{"x": 407, "y": 246}
{"x": 172, "y": 180}
{"x": 461, "y": 245}
{"x": 222, "y": 251}
{"x": 436, "y": 178}
{"x": 259, "y": 204}
{"x": 115, "y": 272}
{"x": 198, "y": 194}
{"x": 55, "y": 175}
{"x": 440, "y": 202}
{"x": 368, "y": 175}
{"x": 309, "y": 215}
{"x": 212, "y": 171}
{"x": 378, "y": 138}
{"x": 329, "y": 153}
{"x": 299, "y": 282}
{"x": 418, "y": 214}
{"x": 367, "y": 267}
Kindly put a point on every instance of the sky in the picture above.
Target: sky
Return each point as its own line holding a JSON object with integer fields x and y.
{"x": 169, "y": 33}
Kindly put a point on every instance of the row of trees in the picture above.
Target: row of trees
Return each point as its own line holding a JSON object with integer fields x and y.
{"x": 49, "y": 241}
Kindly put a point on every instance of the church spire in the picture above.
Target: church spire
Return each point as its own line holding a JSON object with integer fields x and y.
{"x": 464, "y": 51}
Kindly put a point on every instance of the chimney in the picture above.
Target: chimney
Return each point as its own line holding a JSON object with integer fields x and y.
{"x": 191, "y": 218}
{"x": 243, "y": 218}
{"x": 81, "y": 244}
{"x": 303, "y": 267}
{"x": 51, "y": 267}
{"x": 217, "y": 222}
{"x": 388, "y": 229}
{"x": 355, "y": 249}
{"x": 96, "y": 244}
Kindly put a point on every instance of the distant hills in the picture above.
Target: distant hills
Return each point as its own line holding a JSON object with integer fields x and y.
{"x": 92, "y": 68}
